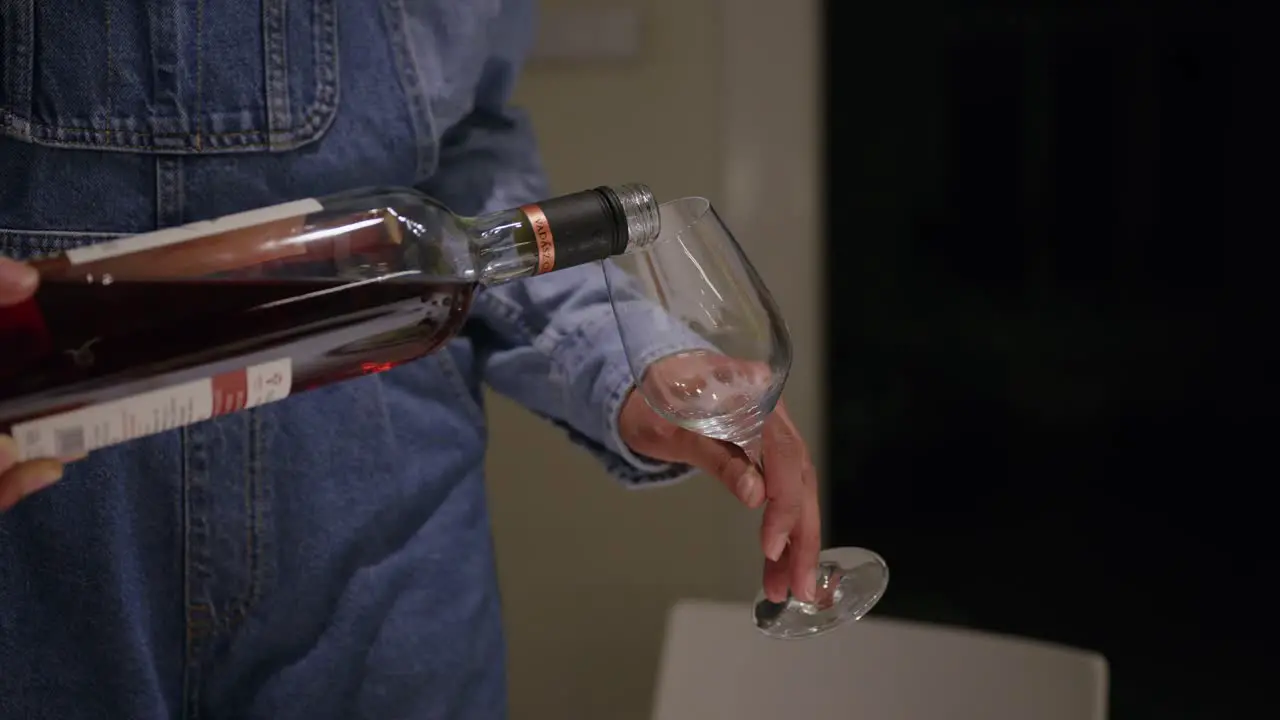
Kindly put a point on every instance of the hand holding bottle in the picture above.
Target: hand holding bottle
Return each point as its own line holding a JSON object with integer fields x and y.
{"x": 17, "y": 480}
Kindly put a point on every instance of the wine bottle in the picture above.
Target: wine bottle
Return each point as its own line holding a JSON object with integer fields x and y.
{"x": 152, "y": 332}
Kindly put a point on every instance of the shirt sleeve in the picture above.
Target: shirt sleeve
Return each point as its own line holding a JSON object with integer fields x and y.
{"x": 549, "y": 342}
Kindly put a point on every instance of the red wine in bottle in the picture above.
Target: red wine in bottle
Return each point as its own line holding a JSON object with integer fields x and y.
{"x": 158, "y": 331}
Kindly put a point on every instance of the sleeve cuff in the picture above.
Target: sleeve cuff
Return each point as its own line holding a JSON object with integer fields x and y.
{"x": 611, "y": 388}
{"x": 623, "y": 463}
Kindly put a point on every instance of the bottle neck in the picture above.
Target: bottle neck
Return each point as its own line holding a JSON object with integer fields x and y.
{"x": 564, "y": 232}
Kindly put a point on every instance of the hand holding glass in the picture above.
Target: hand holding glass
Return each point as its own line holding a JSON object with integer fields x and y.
{"x": 693, "y": 301}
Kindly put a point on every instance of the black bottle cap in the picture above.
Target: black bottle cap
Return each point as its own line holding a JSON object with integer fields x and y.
{"x": 582, "y": 227}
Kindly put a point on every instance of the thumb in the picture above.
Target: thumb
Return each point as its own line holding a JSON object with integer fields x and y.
{"x": 17, "y": 480}
{"x": 17, "y": 282}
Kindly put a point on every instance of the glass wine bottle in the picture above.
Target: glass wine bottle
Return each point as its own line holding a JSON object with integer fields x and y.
{"x": 151, "y": 332}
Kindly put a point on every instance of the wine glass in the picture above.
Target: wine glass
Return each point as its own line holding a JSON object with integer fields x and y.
{"x": 710, "y": 352}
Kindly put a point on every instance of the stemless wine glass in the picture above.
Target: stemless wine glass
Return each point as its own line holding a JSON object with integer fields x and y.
{"x": 710, "y": 352}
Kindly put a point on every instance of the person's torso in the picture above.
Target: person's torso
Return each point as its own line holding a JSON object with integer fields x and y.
{"x": 327, "y": 556}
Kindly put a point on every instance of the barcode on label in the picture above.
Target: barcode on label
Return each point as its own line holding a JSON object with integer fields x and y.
{"x": 69, "y": 442}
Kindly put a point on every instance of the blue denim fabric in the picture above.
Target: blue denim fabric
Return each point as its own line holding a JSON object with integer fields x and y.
{"x": 328, "y": 556}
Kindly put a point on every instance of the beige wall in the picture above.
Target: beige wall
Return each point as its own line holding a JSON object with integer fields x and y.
{"x": 588, "y": 569}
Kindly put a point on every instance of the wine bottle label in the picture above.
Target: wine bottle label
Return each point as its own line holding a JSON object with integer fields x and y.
{"x": 182, "y": 233}
{"x": 542, "y": 236}
{"x": 77, "y": 432}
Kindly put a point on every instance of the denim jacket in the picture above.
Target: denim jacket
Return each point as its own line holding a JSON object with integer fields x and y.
{"x": 328, "y": 556}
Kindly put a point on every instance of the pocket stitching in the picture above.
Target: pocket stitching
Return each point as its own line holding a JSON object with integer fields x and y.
{"x": 317, "y": 119}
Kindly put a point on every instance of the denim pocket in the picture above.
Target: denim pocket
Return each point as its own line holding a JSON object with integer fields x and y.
{"x": 163, "y": 77}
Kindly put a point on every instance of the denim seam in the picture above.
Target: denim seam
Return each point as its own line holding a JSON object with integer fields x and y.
{"x": 199, "y": 71}
{"x": 106, "y": 24}
{"x": 200, "y": 616}
{"x": 276, "y": 59}
{"x": 17, "y": 65}
{"x": 169, "y": 191}
{"x": 458, "y": 384}
{"x": 237, "y": 608}
{"x": 421, "y": 112}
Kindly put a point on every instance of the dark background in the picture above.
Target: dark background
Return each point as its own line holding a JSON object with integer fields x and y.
{"x": 1052, "y": 406}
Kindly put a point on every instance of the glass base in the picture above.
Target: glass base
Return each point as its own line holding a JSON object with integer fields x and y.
{"x": 850, "y": 582}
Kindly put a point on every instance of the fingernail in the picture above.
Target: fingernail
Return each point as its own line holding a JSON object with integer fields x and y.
{"x": 775, "y": 547}
{"x": 809, "y": 589}
{"x": 749, "y": 487}
{"x": 14, "y": 273}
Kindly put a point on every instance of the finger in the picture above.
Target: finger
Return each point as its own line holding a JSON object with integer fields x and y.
{"x": 26, "y": 478}
{"x": 784, "y": 457}
{"x": 728, "y": 464}
{"x": 806, "y": 540}
{"x": 17, "y": 282}
{"x": 8, "y": 453}
{"x": 18, "y": 480}
{"x": 775, "y": 577}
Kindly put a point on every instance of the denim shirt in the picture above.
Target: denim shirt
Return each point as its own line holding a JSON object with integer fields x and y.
{"x": 328, "y": 556}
